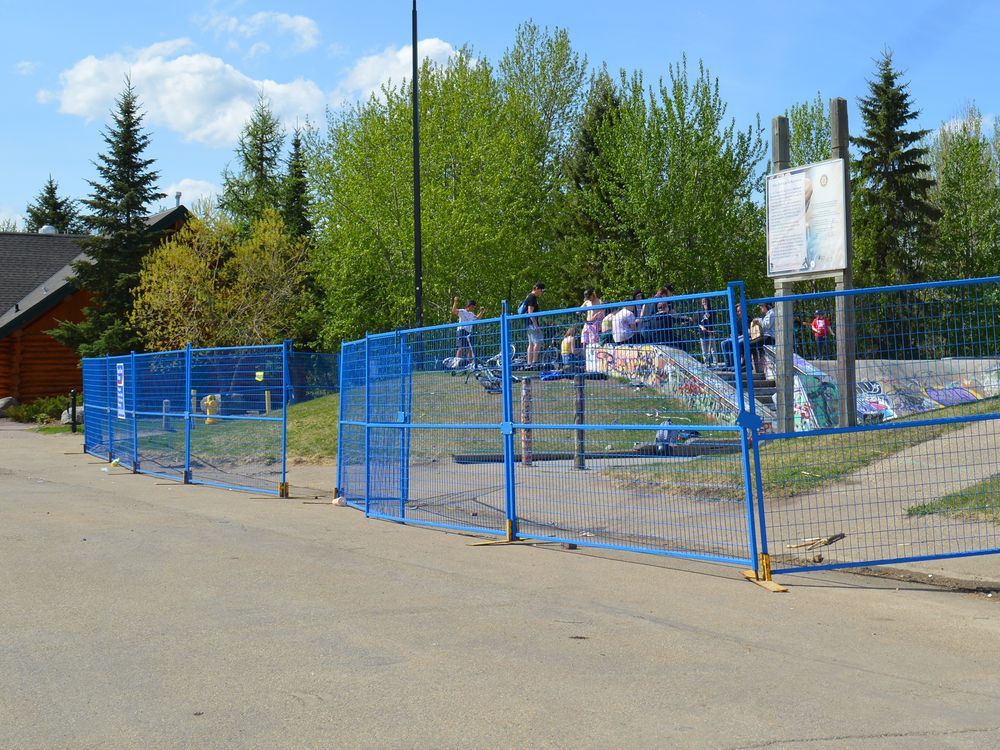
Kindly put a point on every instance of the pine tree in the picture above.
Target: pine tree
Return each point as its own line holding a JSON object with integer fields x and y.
{"x": 118, "y": 211}
{"x": 295, "y": 204}
{"x": 893, "y": 217}
{"x": 57, "y": 212}
{"x": 588, "y": 221}
{"x": 258, "y": 183}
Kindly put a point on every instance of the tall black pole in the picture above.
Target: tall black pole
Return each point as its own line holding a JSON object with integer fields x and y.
{"x": 418, "y": 271}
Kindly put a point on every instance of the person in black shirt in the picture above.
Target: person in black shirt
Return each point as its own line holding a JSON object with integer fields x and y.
{"x": 536, "y": 337}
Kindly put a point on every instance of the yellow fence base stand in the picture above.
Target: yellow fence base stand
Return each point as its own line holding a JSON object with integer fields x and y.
{"x": 283, "y": 489}
{"x": 764, "y": 578}
{"x": 511, "y": 539}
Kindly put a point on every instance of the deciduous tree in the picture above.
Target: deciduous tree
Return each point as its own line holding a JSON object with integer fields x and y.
{"x": 967, "y": 195}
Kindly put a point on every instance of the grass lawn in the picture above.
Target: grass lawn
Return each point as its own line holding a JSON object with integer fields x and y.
{"x": 440, "y": 398}
{"x": 56, "y": 429}
{"x": 794, "y": 466}
{"x": 979, "y": 502}
{"x": 312, "y": 429}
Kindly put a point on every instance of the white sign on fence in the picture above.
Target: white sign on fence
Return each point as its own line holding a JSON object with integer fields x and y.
{"x": 807, "y": 220}
{"x": 120, "y": 382}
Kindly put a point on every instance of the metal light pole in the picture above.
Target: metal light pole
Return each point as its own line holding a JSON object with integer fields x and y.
{"x": 418, "y": 272}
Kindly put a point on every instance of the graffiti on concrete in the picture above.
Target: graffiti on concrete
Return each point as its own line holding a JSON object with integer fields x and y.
{"x": 674, "y": 373}
{"x": 886, "y": 390}
{"x": 891, "y": 390}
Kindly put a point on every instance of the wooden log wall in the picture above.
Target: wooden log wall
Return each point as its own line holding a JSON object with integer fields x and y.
{"x": 33, "y": 364}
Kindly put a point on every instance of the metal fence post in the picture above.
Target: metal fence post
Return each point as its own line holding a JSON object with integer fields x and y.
{"x": 507, "y": 424}
{"x": 403, "y": 417}
{"x": 188, "y": 416}
{"x": 340, "y": 422}
{"x": 286, "y": 350}
{"x": 747, "y": 416}
{"x": 135, "y": 416}
{"x": 752, "y": 426}
{"x": 107, "y": 390}
{"x": 368, "y": 419}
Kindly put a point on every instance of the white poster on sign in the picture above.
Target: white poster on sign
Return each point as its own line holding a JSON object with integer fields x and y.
{"x": 807, "y": 220}
{"x": 120, "y": 383}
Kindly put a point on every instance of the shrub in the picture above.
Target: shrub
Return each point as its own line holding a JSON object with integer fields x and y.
{"x": 40, "y": 410}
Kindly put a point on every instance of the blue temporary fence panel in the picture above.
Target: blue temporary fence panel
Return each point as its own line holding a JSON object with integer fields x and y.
{"x": 703, "y": 426}
{"x": 351, "y": 434}
{"x": 497, "y": 426}
{"x": 95, "y": 400}
{"x": 904, "y": 467}
{"x": 205, "y": 416}
{"x": 632, "y": 440}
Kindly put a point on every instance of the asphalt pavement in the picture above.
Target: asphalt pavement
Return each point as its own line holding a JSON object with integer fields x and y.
{"x": 136, "y": 612}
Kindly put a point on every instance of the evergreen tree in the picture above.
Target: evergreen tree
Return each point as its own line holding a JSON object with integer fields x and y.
{"x": 295, "y": 204}
{"x": 258, "y": 183}
{"x": 892, "y": 215}
{"x": 588, "y": 223}
{"x": 118, "y": 212}
{"x": 57, "y": 212}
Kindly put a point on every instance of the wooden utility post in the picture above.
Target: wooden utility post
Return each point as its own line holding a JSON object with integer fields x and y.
{"x": 845, "y": 333}
{"x": 784, "y": 328}
{"x": 785, "y": 312}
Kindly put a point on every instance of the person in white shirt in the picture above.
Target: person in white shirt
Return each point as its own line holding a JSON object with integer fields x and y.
{"x": 463, "y": 335}
{"x": 623, "y": 325}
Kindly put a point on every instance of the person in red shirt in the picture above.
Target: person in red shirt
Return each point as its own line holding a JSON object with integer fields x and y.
{"x": 821, "y": 334}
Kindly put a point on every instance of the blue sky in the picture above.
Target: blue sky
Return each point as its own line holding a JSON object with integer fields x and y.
{"x": 198, "y": 66}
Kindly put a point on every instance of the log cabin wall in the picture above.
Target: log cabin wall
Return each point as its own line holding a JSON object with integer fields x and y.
{"x": 33, "y": 364}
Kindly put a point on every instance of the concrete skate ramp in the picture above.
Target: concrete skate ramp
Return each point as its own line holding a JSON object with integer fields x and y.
{"x": 888, "y": 388}
{"x": 676, "y": 374}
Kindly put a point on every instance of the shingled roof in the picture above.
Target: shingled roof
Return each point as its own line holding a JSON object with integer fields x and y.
{"x": 28, "y": 260}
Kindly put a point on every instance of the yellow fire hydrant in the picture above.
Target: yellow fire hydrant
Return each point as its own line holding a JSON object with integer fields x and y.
{"x": 210, "y": 405}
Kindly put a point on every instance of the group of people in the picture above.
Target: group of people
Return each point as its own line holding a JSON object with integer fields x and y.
{"x": 654, "y": 321}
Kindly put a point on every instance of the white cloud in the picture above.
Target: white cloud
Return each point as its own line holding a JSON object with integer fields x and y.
{"x": 26, "y": 67}
{"x": 259, "y": 48}
{"x": 393, "y": 63}
{"x": 303, "y": 30}
{"x": 11, "y": 214}
{"x": 191, "y": 191}
{"x": 197, "y": 95}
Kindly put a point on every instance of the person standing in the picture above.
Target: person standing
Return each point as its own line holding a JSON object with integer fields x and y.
{"x": 536, "y": 337}
{"x": 591, "y": 331}
{"x": 821, "y": 334}
{"x": 727, "y": 343}
{"x": 464, "y": 335}
{"x": 766, "y": 337}
{"x": 706, "y": 336}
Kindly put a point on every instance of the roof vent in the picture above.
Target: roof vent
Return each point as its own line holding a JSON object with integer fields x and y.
{"x": 48, "y": 229}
